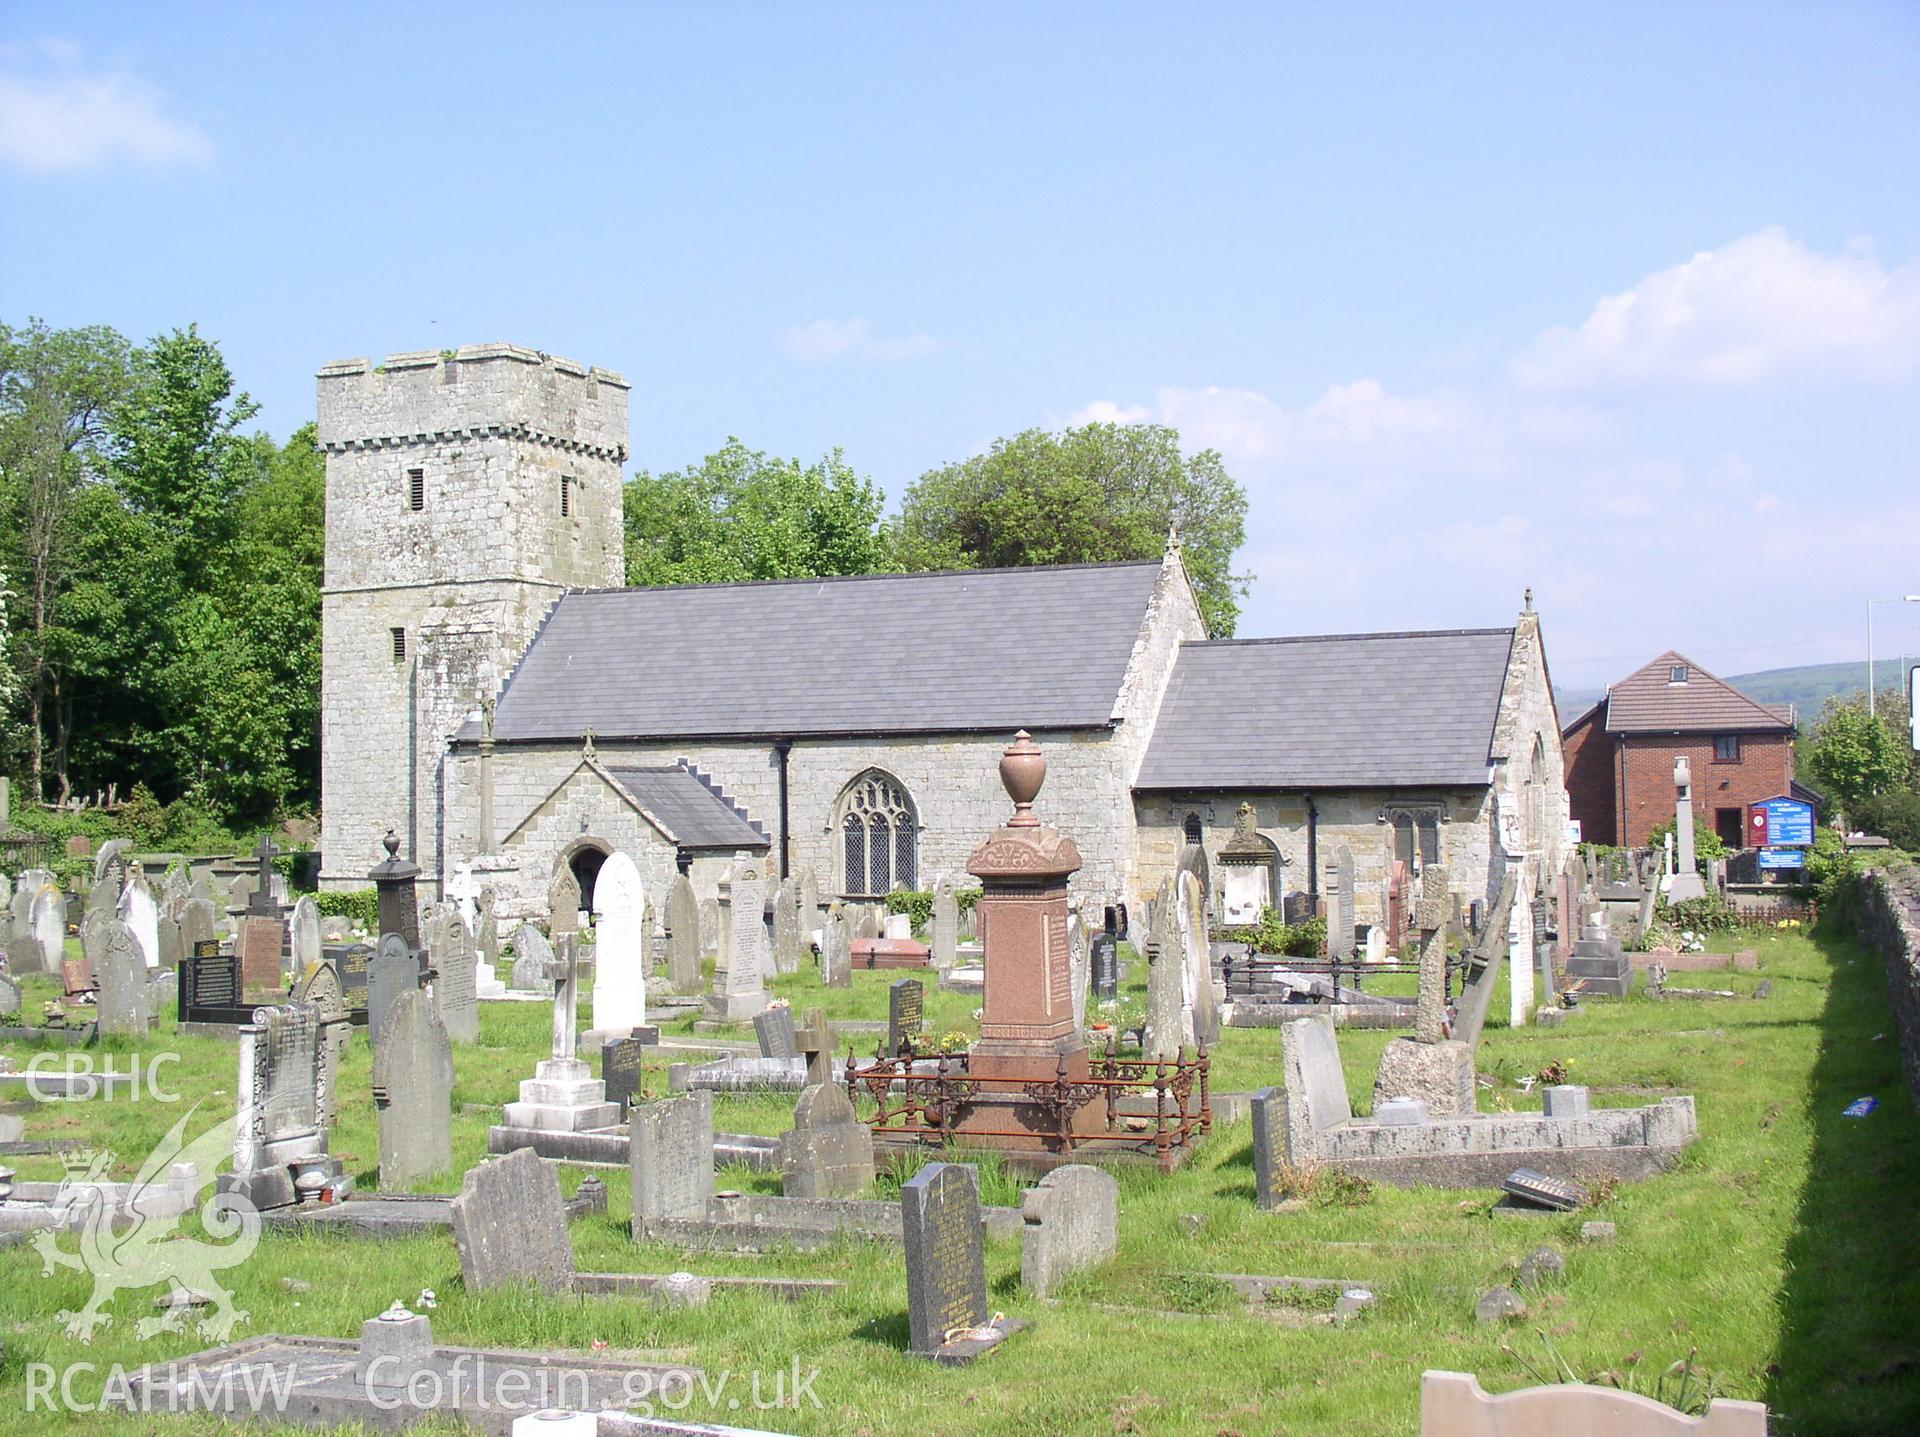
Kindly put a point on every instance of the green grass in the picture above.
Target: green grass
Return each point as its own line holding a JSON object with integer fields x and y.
{"x": 1782, "y": 1251}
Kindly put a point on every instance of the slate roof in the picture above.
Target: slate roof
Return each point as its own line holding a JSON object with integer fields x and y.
{"x": 1336, "y": 711}
{"x": 691, "y": 810}
{"x": 1645, "y": 701}
{"x": 977, "y": 650}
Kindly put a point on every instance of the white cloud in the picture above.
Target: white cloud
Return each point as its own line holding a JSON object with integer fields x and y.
{"x": 56, "y": 115}
{"x": 1105, "y": 411}
{"x": 1758, "y": 309}
{"x": 827, "y": 339}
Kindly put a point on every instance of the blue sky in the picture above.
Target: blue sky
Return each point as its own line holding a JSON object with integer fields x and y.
{"x": 1618, "y": 301}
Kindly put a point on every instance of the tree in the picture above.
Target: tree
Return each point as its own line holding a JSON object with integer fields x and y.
{"x": 1854, "y": 755}
{"x": 742, "y": 514}
{"x": 57, "y": 389}
{"x": 1097, "y": 493}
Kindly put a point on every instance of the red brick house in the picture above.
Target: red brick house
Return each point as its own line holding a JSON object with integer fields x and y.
{"x": 1620, "y": 753}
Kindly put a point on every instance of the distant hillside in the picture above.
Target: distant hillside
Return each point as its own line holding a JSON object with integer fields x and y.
{"x": 1805, "y": 687}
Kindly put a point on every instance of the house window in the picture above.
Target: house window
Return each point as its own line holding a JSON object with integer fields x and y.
{"x": 1677, "y": 674}
{"x": 566, "y": 496}
{"x": 1192, "y": 831}
{"x": 399, "y": 637}
{"x": 416, "y": 489}
{"x": 879, "y": 836}
{"x": 1726, "y": 748}
{"x": 1416, "y": 839}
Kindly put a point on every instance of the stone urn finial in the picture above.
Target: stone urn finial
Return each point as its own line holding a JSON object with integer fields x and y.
{"x": 1023, "y": 769}
{"x": 392, "y": 844}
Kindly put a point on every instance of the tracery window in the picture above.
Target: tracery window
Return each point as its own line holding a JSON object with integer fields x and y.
{"x": 879, "y": 836}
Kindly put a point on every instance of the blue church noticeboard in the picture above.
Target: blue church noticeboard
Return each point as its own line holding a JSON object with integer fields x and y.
{"x": 1789, "y": 821}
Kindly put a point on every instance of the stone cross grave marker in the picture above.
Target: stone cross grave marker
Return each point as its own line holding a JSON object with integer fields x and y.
{"x": 815, "y": 1042}
{"x": 510, "y": 1225}
{"x": 621, "y": 959}
{"x": 683, "y": 938}
{"x": 413, "y": 1091}
{"x": 671, "y": 1159}
{"x": 1431, "y": 1067}
{"x": 906, "y": 1014}
{"x": 946, "y": 1255}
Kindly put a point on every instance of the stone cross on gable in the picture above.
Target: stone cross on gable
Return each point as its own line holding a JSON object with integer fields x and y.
{"x": 1430, "y": 915}
{"x": 564, "y": 969}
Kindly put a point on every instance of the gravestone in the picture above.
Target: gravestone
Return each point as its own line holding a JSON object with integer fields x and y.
{"x": 946, "y": 924}
{"x": 280, "y": 1146}
{"x": 1106, "y": 967}
{"x": 486, "y": 942}
{"x": 510, "y": 1225}
{"x": 413, "y": 1091}
{"x": 621, "y": 960}
{"x": 1166, "y": 980}
{"x": 906, "y": 1009}
{"x": 867, "y": 921}
{"x": 199, "y": 923}
{"x": 123, "y": 1004}
{"x": 829, "y": 1152}
{"x": 167, "y": 929}
{"x": 352, "y": 964}
{"x": 836, "y": 950}
{"x": 9, "y": 996}
{"x": 1204, "y": 1011}
{"x": 1337, "y": 881}
{"x": 1429, "y": 1066}
{"x": 303, "y": 934}
{"x": 621, "y": 1071}
{"x": 50, "y": 928}
{"x": 787, "y": 943}
{"x": 740, "y": 992}
{"x": 532, "y": 961}
{"x": 1069, "y": 1220}
{"x": 815, "y": 1040}
{"x": 563, "y": 903}
{"x": 456, "y": 990}
{"x": 671, "y": 1159}
{"x": 393, "y": 971}
{"x": 1269, "y": 1109}
{"x": 808, "y": 901}
{"x": 77, "y": 976}
{"x": 210, "y": 987}
{"x": 259, "y": 945}
{"x": 563, "y": 1096}
{"x": 946, "y": 1255}
{"x": 774, "y": 1028}
{"x": 142, "y": 916}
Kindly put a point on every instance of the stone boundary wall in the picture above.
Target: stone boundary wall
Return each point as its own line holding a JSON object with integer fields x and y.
{"x": 1888, "y": 921}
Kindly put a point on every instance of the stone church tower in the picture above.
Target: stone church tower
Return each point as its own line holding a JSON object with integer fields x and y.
{"x": 466, "y": 489}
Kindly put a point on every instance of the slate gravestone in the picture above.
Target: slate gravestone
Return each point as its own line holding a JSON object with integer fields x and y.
{"x": 906, "y": 1007}
{"x": 210, "y": 987}
{"x": 354, "y": 961}
{"x": 258, "y": 944}
{"x": 683, "y": 937}
{"x": 413, "y": 1090}
{"x": 946, "y": 924}
{"x": 122, "y": 1005}
{"x": 1269, "y": 1108}
{"x": 946, "y": 1254}
{"x": 774, "y": 1028}
{"x": 303, "y": 934}
{"x": 1340, "y": 906}
{"x": 1538, "y": 1189}
{"x": 510, "y": 1225}
{"x": 393, "y": 971}
{"x": 620, "y": 959}
{"x": 829, "y": 1152}
{"x": 1069, "y": 1220}
{"x": 563, "y": 903}
{"x": 671, "y": 1159}
{"x": 1106, "y": 967}
{"x": 836, "y": 950}
{"x": 456, "y": 993}
{"x": 786, "y": 929}
{"x": 620, "y": 1071}
{"x": 532, "y": 961}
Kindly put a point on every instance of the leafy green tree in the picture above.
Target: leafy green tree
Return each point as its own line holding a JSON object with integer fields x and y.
{"x": 744, "y": 514}
{"x": 57, "y": 390}
{"x": 1097, "y": 493}
{"x": 1854, "y": 755}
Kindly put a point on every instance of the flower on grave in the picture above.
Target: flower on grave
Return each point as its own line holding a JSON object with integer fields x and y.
{"x": 426, "y": 1301}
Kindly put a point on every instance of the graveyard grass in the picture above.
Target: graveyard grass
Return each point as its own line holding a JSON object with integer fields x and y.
{"x": 1781, "y": 1253}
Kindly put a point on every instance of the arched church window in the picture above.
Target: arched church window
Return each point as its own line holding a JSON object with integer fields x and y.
{"x": 1192, "y": 830}
{"x": 1537, "y": 795}
{"x": 879, "y": 836}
